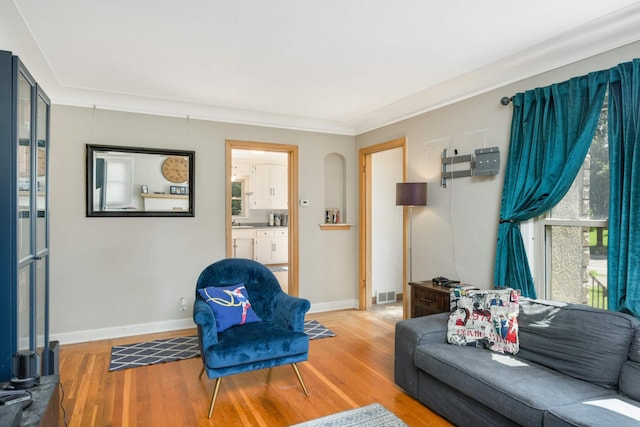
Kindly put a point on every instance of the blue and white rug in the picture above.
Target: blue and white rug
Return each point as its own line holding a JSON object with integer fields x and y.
{"x": 374, "y": 415}
{"x": 316, "y": 330}
{"x": 169, "y": 350}
{"x": 153, "y": 352}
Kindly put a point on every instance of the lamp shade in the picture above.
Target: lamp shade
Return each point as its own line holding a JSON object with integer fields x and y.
{"x": 411, "y": 194}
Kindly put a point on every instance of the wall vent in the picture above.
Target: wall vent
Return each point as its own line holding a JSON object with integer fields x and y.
{"x": 385, "y": 297}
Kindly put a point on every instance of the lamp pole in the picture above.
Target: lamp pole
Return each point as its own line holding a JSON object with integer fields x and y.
{"x": 411, "y": 194}
{"x": 410, "y": 243}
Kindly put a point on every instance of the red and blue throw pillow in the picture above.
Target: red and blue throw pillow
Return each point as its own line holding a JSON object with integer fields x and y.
{"x": 230, "y": 305}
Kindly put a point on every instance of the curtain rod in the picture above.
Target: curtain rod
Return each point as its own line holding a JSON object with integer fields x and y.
{"x": 505, "y": 100}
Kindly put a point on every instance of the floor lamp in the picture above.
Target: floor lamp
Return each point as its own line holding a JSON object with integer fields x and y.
{"x": 411, "y": 194}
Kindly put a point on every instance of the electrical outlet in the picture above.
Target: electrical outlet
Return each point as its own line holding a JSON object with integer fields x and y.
{"x": 183, "y": 304}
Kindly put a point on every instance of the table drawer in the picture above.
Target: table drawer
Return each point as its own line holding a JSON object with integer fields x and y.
{"x": 428, "y": 302}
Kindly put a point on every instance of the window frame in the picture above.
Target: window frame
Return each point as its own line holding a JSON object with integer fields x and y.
{"x": 123, "y": 181}
{"x": 542, "y": 249}
{"x": 243, "y": 198}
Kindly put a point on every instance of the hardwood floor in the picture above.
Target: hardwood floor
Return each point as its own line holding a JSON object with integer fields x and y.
{"x": 351, "y": 370}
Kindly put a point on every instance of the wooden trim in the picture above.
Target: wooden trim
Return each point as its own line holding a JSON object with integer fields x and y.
{"x": 335, "y": 226}
{"x": 227, "y": 199}
{"x": 292, "y": 168}
{"x": 294, "y": 252}
{"x": 364, "y": 229}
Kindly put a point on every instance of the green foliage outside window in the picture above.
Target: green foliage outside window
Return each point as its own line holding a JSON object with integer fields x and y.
{"x": 599, "y": 178}
{"x": 236, "y": 198}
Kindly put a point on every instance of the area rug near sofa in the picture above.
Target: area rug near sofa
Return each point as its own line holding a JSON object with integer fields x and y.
{"x": 180, "y": 348}
{"x": 374, "y": 415}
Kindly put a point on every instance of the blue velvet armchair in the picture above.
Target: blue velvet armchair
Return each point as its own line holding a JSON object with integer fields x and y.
{"x": 278, "y": 339}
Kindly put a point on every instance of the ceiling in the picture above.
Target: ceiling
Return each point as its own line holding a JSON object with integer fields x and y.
{"x": 337, "y": 66}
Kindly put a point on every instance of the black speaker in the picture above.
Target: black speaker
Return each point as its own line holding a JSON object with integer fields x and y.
{"x": 53, "y": 358}
{"x": 26, "y": 369}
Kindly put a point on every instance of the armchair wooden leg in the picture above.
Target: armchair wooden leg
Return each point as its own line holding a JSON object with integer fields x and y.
{"x": 201, "y": 372}
{"x": 297, "y": 371}
{"x": 215, "y": 394}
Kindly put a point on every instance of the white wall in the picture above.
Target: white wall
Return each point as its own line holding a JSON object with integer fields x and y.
{"x": 386, "y": 221}
{"x": 455, "y": 235}
{"x": 119, "y": 276}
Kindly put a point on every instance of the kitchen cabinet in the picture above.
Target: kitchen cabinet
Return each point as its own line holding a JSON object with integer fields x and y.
{"x": 243, "y": 243}
{"x": 280, "y": 254}
{"x": 272, "y": 246}
{"x": 24, "y": 216}
{"x": 270, "y": 187}
{"x": 264, "y": 247}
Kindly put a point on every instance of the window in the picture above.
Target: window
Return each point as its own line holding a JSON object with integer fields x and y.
{"x": 237, "y": 197}
{"x": 118, "y": 179}
{"x": 572, "y": 261}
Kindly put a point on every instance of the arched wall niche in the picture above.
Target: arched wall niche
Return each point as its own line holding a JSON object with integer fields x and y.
{"x": 335, "y": 189}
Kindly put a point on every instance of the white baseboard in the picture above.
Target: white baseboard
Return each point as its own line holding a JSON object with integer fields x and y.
{"x": 122, "y": 331}
{"x": 168, "y": 325}
{"x": 320, "y": 307}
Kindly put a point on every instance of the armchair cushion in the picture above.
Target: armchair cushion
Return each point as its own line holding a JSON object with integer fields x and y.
{"x": 256, "y": 342}
{"x": 230, "y": 305}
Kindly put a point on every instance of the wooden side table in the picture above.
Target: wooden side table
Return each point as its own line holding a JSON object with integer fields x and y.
{"x": 428, "y": 298}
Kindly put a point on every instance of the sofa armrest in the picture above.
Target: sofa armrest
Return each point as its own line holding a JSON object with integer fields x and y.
{"x": 206, "y": 321}
{"x": 411, "y": 333}
{"x": 289, "y": 311}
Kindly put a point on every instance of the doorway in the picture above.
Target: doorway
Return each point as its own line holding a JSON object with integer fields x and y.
{"x": 368, "y": 195}
{"x": 266, "y": 213}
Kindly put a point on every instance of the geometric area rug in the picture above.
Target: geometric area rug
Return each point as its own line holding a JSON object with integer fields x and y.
{"x": 179, "y": 348}
{"x": 317, "y": 330}
{"x": 368, "y": 416}
{"x": 152, "y": 352}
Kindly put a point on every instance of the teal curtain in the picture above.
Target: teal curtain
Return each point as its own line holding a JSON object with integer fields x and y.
{"x": 551, "y": 131}
{"x": 623, "y": 275}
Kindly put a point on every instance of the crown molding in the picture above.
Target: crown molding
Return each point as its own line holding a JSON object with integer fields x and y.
{"x": 599, "y": 36}
{"x": 175, "y": 108}
{"x": 604, "y": 34}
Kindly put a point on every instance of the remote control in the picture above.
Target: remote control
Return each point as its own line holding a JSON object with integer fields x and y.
{"x": 9, "y": 398}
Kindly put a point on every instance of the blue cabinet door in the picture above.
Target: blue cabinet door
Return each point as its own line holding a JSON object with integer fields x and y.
{"x": 24, "y": 223}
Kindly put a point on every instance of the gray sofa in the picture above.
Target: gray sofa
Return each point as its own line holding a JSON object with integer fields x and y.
{"x": 577, "y": 366}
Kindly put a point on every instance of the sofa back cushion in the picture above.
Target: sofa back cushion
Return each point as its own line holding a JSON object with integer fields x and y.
{"x": 584, "y": 342}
